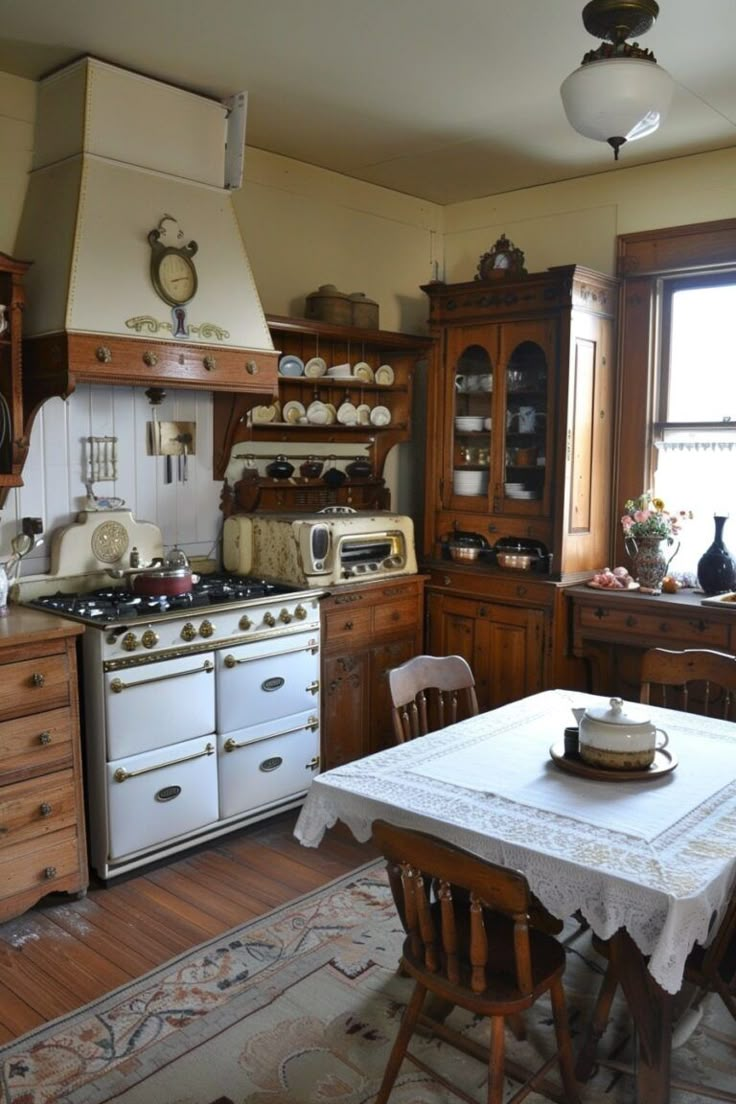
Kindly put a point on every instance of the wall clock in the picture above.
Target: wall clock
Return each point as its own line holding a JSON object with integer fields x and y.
{"x": 173, "y": 274}
{"x": 502, "y": 259}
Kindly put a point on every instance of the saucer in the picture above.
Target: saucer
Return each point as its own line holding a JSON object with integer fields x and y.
{"x": 293, "y": 411}
{"x": 380, "y": 416}
{"x": 385, "y": 375}
{"x": 347, "y": 414}
{"x": 363, "y": 371}
{"x": 315, "y": 367}
{"x": 317, "y": 413}
{"x": 291, "y": 366}
{"x": 364, "y": 414}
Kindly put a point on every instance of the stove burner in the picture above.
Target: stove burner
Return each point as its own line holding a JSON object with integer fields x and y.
{"x": 112, "y": 604}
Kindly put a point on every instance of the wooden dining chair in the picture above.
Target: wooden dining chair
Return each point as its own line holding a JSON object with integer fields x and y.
{"x": 693, "y": 680}
{"x": 710, "y": 969}
{"x": 429, "y": 692}
{"x": 469, "y": 943}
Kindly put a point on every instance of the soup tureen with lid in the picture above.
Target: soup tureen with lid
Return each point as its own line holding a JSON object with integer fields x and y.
{"x": 618, "y": 736}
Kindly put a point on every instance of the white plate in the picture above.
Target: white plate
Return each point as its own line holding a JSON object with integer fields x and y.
{"x": 293, "y": 411}
{"x": 262, "y": 415}
{"x": 317, "y": 413}
{"x": 467, "y": 424}
{"x": 315, "y": 367}
{"x": 363, "y": 371}
{"x": 331, "y": 413}
{"x": 364, "y": 414}
{"x": 347, "y": 414}
{"x": 291, "y": 366}
{"x": 385, "y": 375}
{"x": 380, "y": 416}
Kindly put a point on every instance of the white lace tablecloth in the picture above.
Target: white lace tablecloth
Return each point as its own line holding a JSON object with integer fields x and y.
{"x": 655, "y": 857}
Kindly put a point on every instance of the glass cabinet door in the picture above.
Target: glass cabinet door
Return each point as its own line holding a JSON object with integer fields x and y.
{"x": 525, "y": 427}
{"x": 472, "y": 383}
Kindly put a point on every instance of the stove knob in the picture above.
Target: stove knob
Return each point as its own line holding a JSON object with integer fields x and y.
{"x": 269, "y": 619}
{"x": 129, "y": 642}
{"x": 300, "y": 613}
{"x": 149, "y": 638}
{"x": 206, "y": 629}
{"x": 245, "y": 622}
{"x": 285, "y": 616}
{"x": 188, "y": 631}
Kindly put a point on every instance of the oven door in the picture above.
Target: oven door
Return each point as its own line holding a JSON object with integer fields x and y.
{"x": 266, "y": 764}
{"x": 161, "y": 795}
{"x": 159, "y": 703}
{"x": 267, "y": 679}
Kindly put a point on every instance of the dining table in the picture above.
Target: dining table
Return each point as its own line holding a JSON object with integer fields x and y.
{"x": 649, "y": 862}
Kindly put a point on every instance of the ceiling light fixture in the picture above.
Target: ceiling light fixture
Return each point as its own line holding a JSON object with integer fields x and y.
{"x": 619, "y": 93}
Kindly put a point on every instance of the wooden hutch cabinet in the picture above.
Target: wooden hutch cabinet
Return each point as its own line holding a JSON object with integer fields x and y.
{"x": 520, "y": 436}
{"x": 367, "y": 628}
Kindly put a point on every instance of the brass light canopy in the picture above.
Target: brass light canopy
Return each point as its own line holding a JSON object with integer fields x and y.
{"x": 619, "y": 93}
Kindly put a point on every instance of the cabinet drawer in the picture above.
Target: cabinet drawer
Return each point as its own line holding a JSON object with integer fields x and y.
{"x": 34, "y": 745}
{"x": 37, "y": 807}
{"x": 39, "y": 863}
{"x": 397, "y": 615}
{"x": 34, "y": 685}
{"x": 649, "y": 628}
{"x": 346, "y": 624}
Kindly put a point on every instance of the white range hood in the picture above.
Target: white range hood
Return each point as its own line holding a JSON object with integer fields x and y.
{"x": 115, "y": 154}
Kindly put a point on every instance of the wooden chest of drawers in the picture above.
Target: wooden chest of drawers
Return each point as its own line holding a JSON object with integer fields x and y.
{"x": 367, "y": 630}
{"x": 42, "y": 837}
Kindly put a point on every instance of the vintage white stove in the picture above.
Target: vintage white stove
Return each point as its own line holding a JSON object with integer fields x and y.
{"x": 201, "y": 711}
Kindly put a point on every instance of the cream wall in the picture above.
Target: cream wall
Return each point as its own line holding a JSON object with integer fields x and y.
{"x": 304, "y": 227}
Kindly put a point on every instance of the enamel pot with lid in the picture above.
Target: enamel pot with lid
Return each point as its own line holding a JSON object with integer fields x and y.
{"x": 617, "y": 736}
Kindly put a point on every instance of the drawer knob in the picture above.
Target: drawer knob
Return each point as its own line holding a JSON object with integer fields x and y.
{"x": 38, "y": 679}
{"x": 45, "y": 809}
{"x": 396, "y": 616}
{"x": 49, "y": 872}
{"x": 210, "y": 363}
{"x": 44, "y": 738}
{"x": 348, "y": 625}
{"x": 630, "y": 622}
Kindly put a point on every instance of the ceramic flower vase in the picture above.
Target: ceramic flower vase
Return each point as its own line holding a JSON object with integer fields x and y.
{"x": 650, "y": 561}
{"x": 716, "y": 567}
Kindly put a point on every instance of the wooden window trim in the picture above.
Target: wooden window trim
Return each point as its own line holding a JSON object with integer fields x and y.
{"x": 643, "y": 259}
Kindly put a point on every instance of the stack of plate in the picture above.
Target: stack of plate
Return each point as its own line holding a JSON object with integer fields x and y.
{"x": 469, "y": 482}
{"x": 466, "y": 424}
{"x": 519, "y": 490}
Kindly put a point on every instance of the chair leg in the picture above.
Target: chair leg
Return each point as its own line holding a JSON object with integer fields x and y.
{"x": 406, "y": 1029}
{"x": 564, "y": 1043}
{"x": 496, "y": 1057}
{"x": 596, "y": 1027}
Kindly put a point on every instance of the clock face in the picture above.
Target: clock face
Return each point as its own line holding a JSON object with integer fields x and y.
{"x": 502, "y": 260}
{"x": 176, "y": 280}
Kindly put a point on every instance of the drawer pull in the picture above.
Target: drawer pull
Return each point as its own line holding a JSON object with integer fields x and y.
{"x": 231, "y": 661}
{"x": 396, "y": 616}
{"x": 313, "y": 687}
{"x": 122, "y": 775}
{"x": 348, "y": 625}
{"x": 44, "y": 738}
{"x": 117, "y": 685}
{"x": 38, "y": 679}
{"x": 233, "y": 745}
{"x": 521, "y": 590}
{"x": 45, "y": 809}
{"x": 313, "y": 764}
{"x": 630, "y": 622}
{"x": 49, "y": 872}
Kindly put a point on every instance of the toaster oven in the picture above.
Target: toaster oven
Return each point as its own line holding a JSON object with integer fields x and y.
{"x": 319, "y": 550}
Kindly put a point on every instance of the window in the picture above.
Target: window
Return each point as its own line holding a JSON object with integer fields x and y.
{"x": 695, "y": 431}
{"x": 677, "y": 385}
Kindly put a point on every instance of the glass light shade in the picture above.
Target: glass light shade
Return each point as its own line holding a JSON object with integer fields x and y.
{"x": 617, "y": 98}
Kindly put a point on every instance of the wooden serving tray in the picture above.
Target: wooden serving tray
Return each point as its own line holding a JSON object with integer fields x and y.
{"x": 664, "y": 762}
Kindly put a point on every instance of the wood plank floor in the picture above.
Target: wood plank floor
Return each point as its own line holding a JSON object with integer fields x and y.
{"x": 64, "y": 953}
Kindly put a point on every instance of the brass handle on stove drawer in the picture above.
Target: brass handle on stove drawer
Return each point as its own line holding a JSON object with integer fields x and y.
{"x": 231, "y": 661}
{"x": 313, "y": 687}
{"x": 121, "y": 774}
{"x": 38, "y": 679}
{"x": 233, "y": 745}
{"x": 117, "y": 685}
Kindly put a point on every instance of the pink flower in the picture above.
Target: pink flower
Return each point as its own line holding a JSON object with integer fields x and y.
{"x": 641, "y": 515}
{"x": 626, "y": 522}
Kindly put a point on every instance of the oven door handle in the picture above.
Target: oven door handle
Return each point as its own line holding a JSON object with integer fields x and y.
{"x": 117, "y": 685}
{"x": 121, "y": 774}
{"x": 232, "y": 745}
{"x": 231, "y": 661}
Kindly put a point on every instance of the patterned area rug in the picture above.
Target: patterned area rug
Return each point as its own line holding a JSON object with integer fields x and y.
{"x": 301, "y": 1007}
